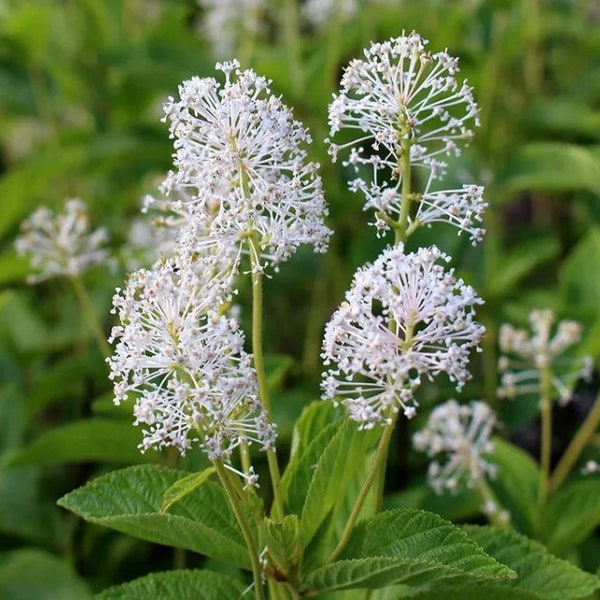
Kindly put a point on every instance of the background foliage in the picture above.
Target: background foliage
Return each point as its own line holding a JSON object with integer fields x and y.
{"x": 81, "y": 88}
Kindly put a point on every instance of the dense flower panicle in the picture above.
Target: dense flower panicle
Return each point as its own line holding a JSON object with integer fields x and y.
{"x": 401, "y": 99}
{"x": 184, "y": 364}
{"x": 462, "y": 434}
{"x": 529, "y": 354}
{"x": 225, "y": 22}
{"x": 61, "y": 244}
{"x": 240, "y": 154}
{"x": 404, "y": 318}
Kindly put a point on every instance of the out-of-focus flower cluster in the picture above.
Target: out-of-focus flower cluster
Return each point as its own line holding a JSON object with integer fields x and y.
{"x": 404, "y": 318}
{"x": 534, "y": 357}
{"x": 407, "y": 109}
{"x": 458, "y": 437}
{"x": 61, "y": 244}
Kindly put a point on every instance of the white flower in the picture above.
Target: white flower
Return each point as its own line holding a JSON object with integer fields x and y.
{"x": 185, "y": 365}
{"x": 404, "y": 99}
{"x": 226, "y": 21}
{"x": 404, "y": 318}
{"x": 240, "y": 155}
{"x": 590, "y": 467}
{"x": 61, "y": 244}
{"x": 462, "y": 434}
{"x": 319, "y": 12}
{"x": 536, "y": 353}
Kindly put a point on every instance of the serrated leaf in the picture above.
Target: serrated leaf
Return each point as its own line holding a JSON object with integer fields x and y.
{"x": 418, "y": 535}
{"x": 538, "y": 571}
{"x": 571, "y": 514}
{"x": 556, "y": 167}
{"x": 410, "y": 547}
{"x": 129, "y": 501}
{"x": 177, "y": 585}
{"x": 182, "y": 487}
{"x": 481, "y": 591}
{"x": 36, "y": 574}
{"x": 82, "y": 441}
{"x": 516, "y": 485}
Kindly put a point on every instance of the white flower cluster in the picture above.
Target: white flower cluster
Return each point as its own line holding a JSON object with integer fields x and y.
{"x": 462, "y": 434}
{"x": 225, "y": 21}
{"x": 239, "y": 155}
{"x": 404, "y": 318}
{"x": 61, "y": 244}
{"x": 404, "y": 100}
{"x": 533, "y": 354}
{"x": 184, "y": 364}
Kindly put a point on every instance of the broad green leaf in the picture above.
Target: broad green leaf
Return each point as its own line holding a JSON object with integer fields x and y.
{"x": 516, "y": 484}
{"x": 129, "y": 501}
{"x": 518, "y": 264}
{"x": 410, "y": 547}
{"x": 82, "y": 441}
{"x": 566, "y": 114}
{"x": 314, "y": 418}
{"x": 572, "y": 514}
{"x": 538, "y": 571}
{"x": 483, "y": 591}
{"x": 177, "y": 585}
{"x": 33, "y": 574}
{"x": 577, "y": 288}
{"x": 416, "y": 535}
{"x": 554, "y": 167}
{"x": 282, "y": 540}
{"x": 182, "y": 487}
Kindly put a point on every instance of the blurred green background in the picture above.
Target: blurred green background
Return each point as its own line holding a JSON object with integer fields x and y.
{"x": 81, "y": 88}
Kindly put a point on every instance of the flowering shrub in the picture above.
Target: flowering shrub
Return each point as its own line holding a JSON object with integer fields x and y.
{"x": 232, "y": 459}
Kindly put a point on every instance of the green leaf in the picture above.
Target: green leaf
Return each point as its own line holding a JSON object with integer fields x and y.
{"x": 577, "y": 287}
{"x": 572, "y": 514}
{"x": 538, "y": 571}
{"x": 555, "y": 167}
{"x": 177, "y": 585}
{"x": 282, "y": 539}
{"x": 33, "y": 574}
{"x": 566, "y": 115}
{"x": 411, "y": 547}
{"x": 516, "y": 485}
{"x": 129, "y": 501}
{"x": 82, "y": 441}
{"x": 419, "y": 535}
{"x": 314, "y": 418}
{"x": 484, "y": 591}
{"x": 521, "y": 262}
{"x": 182, "y": 487}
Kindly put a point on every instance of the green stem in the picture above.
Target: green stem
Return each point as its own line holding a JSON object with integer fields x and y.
{"x": 259, "y": 365}
{"x": 546, "y": 442}
{"x": 378, "y": 461}
{"x": 487, "y": 496}
{"x": 582, "y": 438}
{"x": 401, "y": 227}
{"x": 90, "y": 313}
{"x": 229, "y": 487}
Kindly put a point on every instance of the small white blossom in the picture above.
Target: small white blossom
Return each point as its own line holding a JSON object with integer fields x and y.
{"x": 402, "y": 99}
{"x": 226, "y": 21}
{"x": 404, "y": 318}
{"x": 185, "y": 365}
{"x": 590, "y": 467}
{"x": 533, "y": 354}
{"x": 61, "y": 244}
{"x": 462, "y": 434}
{"x": 239, "y": 154}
